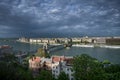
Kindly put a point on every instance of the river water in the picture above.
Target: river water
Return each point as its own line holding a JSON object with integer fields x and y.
{"x": 113, "y": 55}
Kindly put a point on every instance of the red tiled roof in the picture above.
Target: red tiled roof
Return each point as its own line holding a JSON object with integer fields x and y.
{"x": 58, "y": 58}
{"x": 36, "y": 59}
{"x": 62, "y": 58}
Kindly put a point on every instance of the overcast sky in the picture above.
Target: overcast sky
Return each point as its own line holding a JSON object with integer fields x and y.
{"x": 59, "y": 18}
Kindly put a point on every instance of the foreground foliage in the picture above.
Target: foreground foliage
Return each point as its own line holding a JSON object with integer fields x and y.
{"x": 84, "y": 66}
{"x": 63, "y": 76}
{"x": 10, "y": 69}
{"x": 88, "y": 68}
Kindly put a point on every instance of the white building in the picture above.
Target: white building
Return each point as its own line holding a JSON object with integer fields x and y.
{"x": 45, "y": 41}
{"x": 56, "y": 64}
{"x": 33, "y": 40}
{"x": 52, "y": 41}
{"x": 62, "y": 64}
{"x": 39, "y": 41}
{"x": 23, "y": 39}
{"x": 89, "y": 40}
{"x": 100, "y": 40}
{"x": 34, "y": 63}
{"x": 59, "y": 67}
{"x": 76, "y": 40}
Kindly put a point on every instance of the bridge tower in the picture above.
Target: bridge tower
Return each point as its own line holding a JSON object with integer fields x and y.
{"x": 45, "y": 46}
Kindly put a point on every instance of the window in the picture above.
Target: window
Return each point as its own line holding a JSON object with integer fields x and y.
{"x": 56, "y": 71}
{"x": 67, "y": 69}
{"x": 72, "y": 79}
{"x": 53, "y": 71}
{"x": 71, "y": 70}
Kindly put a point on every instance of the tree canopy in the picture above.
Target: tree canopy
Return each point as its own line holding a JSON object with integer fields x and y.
{"x": 10, "y": 69}
{"x": 63, "y": 76}
{"x": 42, "y": 53}
{"x": 45, "y": 75}
{"x": 84, "y": 66}
{"x": 87, "y": 68}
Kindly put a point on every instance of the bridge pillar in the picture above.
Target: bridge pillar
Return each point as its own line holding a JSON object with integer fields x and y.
{"x": 45, "y": 46}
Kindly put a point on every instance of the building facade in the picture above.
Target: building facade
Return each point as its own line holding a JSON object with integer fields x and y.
{"x": 56, "y": 64}
{"x": 62, "y": 64}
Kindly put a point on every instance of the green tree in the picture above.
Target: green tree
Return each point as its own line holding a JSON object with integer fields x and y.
{"x": 10, "y": 69}
{"x": 63, "y": 76}
{"x": 112, "y": 68}
{"x": 112, "y": 72}
{"x": 13, "y": 71}
{"x": 8, "y": 58}
{"x": 87, "y": 68}
{"x": 42, "y": 53}
{"x": 45, "y": 75}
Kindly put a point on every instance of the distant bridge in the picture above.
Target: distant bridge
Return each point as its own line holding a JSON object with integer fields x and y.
{"x": 51, "y": 48}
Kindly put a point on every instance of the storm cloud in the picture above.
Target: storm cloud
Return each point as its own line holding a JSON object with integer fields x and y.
{"x": 59, "y": 18}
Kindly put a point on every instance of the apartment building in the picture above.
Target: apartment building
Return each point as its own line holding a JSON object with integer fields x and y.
{"x": 56, "y": 64}
{"x": 62, "y": 64}
{"x": 34, "y": 63}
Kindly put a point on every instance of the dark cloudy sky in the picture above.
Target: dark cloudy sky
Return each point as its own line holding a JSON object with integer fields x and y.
{"x": 59, "y": 18}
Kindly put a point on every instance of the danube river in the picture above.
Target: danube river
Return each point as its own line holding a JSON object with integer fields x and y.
{"x": 113, "y": 55}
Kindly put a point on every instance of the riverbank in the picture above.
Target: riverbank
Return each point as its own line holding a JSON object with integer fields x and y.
{"x": 101, "y": 46}
{"x": 85, "y": 45}
{"x": 82, "y": 45}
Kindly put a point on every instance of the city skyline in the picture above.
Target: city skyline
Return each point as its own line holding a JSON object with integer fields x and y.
{"x": 59, "y": 18}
